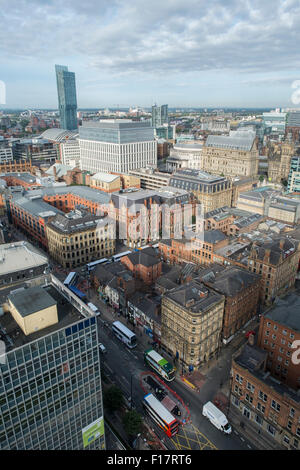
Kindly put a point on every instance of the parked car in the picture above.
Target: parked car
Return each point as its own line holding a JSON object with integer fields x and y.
{"x": 102, "y": 348}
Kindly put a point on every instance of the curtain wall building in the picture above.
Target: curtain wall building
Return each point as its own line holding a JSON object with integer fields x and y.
{"x": 116, "y": 145}
{"x": 50, "y": 382}
{"x": 67, "y": 102}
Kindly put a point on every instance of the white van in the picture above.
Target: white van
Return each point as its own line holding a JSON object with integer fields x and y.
{"x": 94, "y": 308}
{"x": 216, "y": 417}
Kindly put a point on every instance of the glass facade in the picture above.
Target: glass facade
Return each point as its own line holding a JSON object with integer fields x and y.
{"x": 50, "y": 389}
{"x": 294, "y": 176}
{"x": 160, "y": 115}
{"x": 117, "y": 133}
{"x": 67, "y": 102}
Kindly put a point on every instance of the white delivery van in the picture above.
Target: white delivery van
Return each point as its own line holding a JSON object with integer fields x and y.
{"x": 216, "y": 417}
{"x": 94, "y": 308}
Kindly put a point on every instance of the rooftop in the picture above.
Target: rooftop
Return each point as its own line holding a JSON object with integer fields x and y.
{"x": 286, "y": 311}
{"x": 231, "y": 280}
{"x": 58, "y": 135}
{"x": 18, "y": 256}
{"x": 234, "y": 142}
{"x": 14, "y": 337}
{"x": 78, "y": 221}
{"x": 105, "y": 177}
{"x": 252, "y": 358}
{"x": 194, "y": 297}
{"x": 31, "y": 300}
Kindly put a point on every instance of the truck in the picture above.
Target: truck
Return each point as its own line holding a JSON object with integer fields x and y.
{"x": 216, "y": 417}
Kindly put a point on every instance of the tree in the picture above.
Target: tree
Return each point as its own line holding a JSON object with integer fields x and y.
{"x": 261, "y": 178}
{"x": 132, "y": 423}
{"x": 113, "y": 398}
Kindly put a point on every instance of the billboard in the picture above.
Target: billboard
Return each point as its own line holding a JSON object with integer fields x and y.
{"x": 92, "y": 431}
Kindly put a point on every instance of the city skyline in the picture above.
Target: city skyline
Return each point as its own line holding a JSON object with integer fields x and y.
{"x": 196, "y": 55}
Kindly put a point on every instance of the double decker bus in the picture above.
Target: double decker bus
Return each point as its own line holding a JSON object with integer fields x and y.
{"x": 93, "y": 264}
{"x": 160, "y": 415}
{"x": 159, "y": 364}
{"x": 120, "y": 255}
{"x": 124, "y": 334}
{"x": 71, "y": 279}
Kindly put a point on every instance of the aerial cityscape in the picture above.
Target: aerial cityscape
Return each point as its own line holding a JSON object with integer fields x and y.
{"x": 149, "y": 228}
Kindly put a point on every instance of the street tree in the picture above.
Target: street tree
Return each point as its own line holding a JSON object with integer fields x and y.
{"x": 113, "y": 398}
{"x": 132, "y": 423}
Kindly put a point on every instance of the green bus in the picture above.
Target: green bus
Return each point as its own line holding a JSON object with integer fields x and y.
{"x": 159, "y": 364}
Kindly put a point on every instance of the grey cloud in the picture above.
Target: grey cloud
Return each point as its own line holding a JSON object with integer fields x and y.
{"x": 156, "y": 37}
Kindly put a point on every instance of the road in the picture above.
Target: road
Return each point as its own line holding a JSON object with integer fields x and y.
{"x": 124, "y": 366}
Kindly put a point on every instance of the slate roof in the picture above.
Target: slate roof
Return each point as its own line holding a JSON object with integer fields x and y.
{"x": 231, "y": 280}
{"x": 194, "y": 296}
{"x": 211, "y": 236}
{"x": 287, "y": 312}
{"x": 241, "y": 142}
{"x": 147, "y": 257}
{"x": 276, "y": 253}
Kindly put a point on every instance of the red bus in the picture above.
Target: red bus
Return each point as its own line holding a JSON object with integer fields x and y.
{"x": 160, "y": 415}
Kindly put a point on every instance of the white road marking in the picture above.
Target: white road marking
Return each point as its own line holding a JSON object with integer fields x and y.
{"x": 107, "y": 367}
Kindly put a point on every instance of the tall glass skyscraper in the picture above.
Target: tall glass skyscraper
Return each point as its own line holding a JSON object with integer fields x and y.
{"x": 67, "y": 102}
{"x": 160, "y": 115}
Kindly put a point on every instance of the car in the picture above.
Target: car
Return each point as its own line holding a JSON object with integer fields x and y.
{"x": 102, "y": 348}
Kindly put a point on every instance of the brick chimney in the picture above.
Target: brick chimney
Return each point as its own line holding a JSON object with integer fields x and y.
{"x": 267, "y": 255}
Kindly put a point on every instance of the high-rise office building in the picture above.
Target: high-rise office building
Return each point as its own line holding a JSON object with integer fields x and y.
{"x": 50, "y": 382}
{"x": 294, "y": 175}
{"x": 160, "y": 115}
{"x": 67, "y": 102}
{"x": 116, "y": 145}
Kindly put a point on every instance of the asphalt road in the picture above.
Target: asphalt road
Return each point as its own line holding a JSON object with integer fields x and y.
{"x": 124, "y": 367}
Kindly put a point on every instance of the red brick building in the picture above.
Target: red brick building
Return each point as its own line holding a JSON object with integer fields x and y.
{"x": 279, "y": 328}
{"x": 241, "y": 291}
{"x": 144, "y": 264}
{"x": 263, "y": 409}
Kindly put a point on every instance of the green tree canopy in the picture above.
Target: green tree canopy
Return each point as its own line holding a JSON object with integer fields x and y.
{"x": 132, "y": 423}
{"x": 113, "y": 398}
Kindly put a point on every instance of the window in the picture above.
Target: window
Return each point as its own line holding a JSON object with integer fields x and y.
{"x": 258, "y": 420}
{"x": 262, "y": 396}
{"x": 286, "y": 439}
{"x": 246, "y": 412}
{"x": 271, "y": 430}
{"x": 275, "y": 405}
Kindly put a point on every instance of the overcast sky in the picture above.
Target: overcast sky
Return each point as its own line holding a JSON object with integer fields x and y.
{"x": 138, "y": 52}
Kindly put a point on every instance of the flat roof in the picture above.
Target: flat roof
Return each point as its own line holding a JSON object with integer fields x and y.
{"x": 18, "y": 256}
{"x": 14, "y": 336}
{"x": 31, "y": 300}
